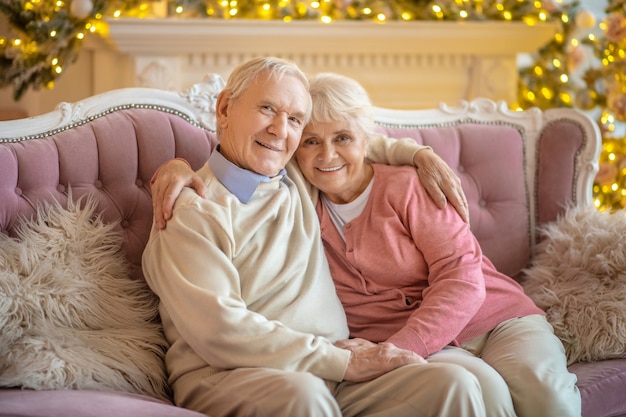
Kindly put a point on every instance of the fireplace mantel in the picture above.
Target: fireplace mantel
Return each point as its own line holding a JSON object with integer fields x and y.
{"x": 402, "y": 64}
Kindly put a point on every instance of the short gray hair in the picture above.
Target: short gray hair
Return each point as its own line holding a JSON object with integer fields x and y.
{"x": 337, "y": 97}
{"x": 247, "y": 72}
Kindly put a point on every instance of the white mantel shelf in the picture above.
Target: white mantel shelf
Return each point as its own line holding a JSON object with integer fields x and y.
{"x": 402, "y": 64}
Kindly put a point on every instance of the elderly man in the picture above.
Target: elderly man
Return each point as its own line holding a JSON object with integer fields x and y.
{"x": 246, "y": 297}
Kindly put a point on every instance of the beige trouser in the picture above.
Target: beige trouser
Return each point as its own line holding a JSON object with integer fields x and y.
{"x": 412, "y": 391}
{"x": 527, "y": 369}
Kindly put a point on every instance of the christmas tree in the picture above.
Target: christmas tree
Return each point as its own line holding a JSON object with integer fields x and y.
{"x": 46, "y": 38}
{"x": 584, "y": 67}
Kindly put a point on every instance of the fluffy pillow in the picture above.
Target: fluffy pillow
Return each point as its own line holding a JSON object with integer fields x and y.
{"x": 70, "y": 316}
{"x": 579, "y": 278}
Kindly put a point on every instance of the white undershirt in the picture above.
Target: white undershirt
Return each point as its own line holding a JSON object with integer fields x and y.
{"x": 341, "y": 214}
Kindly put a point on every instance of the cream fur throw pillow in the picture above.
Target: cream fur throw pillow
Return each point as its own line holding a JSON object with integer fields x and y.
{"x": 579, "y": 278}
{"x": 70, "y": 317}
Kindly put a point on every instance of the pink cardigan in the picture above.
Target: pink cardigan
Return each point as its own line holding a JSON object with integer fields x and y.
{"x": 414, "y": 275}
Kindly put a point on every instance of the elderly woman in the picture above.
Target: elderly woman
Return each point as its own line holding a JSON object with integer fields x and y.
{"x": 414, "y": 275}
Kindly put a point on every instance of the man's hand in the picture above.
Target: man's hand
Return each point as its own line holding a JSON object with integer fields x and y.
{"x": 167, "y": 185}
{"x": 440, "y": 182}
{"x": 371, "y": 360}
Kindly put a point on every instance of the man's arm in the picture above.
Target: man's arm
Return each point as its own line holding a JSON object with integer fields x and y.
{"x": 437, "y": 177}
{"x": 167, "y": 183}
{"x": 440, "y": 182}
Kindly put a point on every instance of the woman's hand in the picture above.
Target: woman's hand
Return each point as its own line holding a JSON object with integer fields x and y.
{"x": 167, "y": 184}
{"x": 441, "y": 182}
{"x": 371, "y": 360}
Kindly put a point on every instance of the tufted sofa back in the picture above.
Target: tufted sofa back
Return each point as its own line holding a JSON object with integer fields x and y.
{"x": 518, "y": 170}
{"x": 111, "y": 156}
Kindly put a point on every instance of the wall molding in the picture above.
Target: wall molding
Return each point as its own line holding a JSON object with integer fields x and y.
{"x": 413, "y": 64}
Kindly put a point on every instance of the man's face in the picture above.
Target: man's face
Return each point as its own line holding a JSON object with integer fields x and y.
{"x": 261, "y": 129}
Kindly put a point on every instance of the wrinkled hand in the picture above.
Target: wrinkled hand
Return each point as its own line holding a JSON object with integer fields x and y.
{"x": 441, "y": 182}
{"x": 170, "y": 180}
{"x": 371, "y": 360}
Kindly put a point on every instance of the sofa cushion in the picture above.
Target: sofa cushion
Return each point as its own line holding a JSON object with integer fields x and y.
{"x": 85, "y": 403}
{"x": 70, "y": 316}
{"x": 578, "y": 277}
{"x": 601, "y": 387}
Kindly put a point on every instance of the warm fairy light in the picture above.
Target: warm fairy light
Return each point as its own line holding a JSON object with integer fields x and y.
{"x": 326, "y": 19}
{"x": 547, "y": 93}
{"x": 53, "y": 33}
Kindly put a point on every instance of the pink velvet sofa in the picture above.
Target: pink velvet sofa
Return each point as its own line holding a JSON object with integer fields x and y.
{"x": 519, "y": 170}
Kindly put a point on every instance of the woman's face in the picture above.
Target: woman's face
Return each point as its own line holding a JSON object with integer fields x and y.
{"x": 332, "y": 157}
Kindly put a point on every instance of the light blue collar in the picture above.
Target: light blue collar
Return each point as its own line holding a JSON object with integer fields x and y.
{"x": 241, "y": 182}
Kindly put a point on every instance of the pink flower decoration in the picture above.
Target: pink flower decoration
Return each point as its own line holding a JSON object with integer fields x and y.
{"x": 606, "y": 174}
{"x": 575, "y": 57}
{"x": 550, "y": 6}
{"x": 615, "y": 28}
